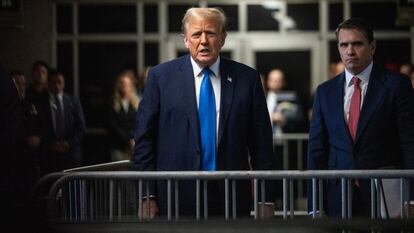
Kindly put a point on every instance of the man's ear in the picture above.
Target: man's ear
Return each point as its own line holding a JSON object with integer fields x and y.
{"x": 186, "y": 43}
{"x": 373, "y": 47}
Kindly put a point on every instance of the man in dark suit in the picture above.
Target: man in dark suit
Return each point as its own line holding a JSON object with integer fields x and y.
{"x": 64, "y": 126}
{"x": 203, "y": 112}
{"x": 362, "y": 119}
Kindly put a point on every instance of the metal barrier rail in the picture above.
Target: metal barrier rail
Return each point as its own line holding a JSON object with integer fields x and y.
{"x": 77, "y": 182}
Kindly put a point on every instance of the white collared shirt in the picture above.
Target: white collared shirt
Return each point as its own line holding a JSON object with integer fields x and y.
{"x": 53, "y": 106}
{"x": 349, "y": 88}
{"x": 215, "y": 81}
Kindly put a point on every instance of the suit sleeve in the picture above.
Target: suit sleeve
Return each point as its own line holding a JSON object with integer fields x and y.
{"x": 318, "y": 148}
{"x": 79, "y": 123}
{"x": 405, "y": 118}
{"x": 261, "y": 138}
{"x": 147, "y": 126}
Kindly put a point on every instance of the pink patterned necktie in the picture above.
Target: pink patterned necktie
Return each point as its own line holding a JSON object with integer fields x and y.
{"x": 354, "y": 108}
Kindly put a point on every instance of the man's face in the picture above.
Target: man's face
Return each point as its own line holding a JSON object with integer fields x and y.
{"x": 204, "y": 40}
{"x": 275, "y": 81}
{"x": 40, "y": 75}
{"x": 56, "y": 84}
{"x": 355, "y": 50}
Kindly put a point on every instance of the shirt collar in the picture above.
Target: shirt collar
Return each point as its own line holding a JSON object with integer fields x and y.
{"x": 215, "y": 67}
{"x": 364, "y": 75}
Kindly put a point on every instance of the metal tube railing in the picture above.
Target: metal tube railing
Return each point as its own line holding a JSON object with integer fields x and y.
{"x": 346, "y": 177}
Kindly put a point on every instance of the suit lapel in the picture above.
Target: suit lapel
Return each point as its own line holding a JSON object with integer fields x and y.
{"x": 190, "y": 96}
{"x": 339, "y": 104}
{"x": 373, "y": 98}
{"x": 227, "y": 89}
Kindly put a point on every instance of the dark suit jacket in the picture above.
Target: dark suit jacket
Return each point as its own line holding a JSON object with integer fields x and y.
{"x": 167, "y": 131}
{"x": 385, "y": 133}
{"x": 121, "y": 127}
{"x": 74, "y": 131}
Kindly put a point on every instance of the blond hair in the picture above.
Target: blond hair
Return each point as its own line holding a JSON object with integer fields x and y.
{"x": 213, "y": 13}
{"x": 117, "y": 99}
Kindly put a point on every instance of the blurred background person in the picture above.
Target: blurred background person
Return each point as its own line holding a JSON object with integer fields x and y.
{"x": 65, "y": 127}
{"x": 30, "y": 149}
{"x": 121, "y": 122}
{"x": 284, "y": 107}
{"x": 406, "y": 68}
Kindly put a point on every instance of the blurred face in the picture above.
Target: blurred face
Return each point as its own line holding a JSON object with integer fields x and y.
{"x": 40, "y": 75}
{"x": 204, "y": 39}
{"x": 275, "y": 81}
{"x": 56, "y": 84}
{"x": 125, "y": 86}
{"x": 355, "y": 50}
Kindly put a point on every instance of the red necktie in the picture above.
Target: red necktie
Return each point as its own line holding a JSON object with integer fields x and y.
{"x": 354, "y": 108}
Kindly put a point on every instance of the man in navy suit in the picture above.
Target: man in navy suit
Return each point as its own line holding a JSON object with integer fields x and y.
{"x": 362, "y": 119}
{"x": 64, "y": 127}
{"x": 203, "y": 112}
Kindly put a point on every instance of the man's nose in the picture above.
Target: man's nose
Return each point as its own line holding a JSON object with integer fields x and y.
{"x": 204, "y": 39}
{"x": 350, "y": 50}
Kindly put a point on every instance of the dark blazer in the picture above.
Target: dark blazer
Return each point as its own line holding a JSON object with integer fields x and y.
{"x": 167, "y": 131}
{"x": 74, "y": 131}
{"x": 385, "y": 133}
{"x": 121, "y": 127}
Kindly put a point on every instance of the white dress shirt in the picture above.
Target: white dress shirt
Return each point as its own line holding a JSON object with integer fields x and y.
{"x": 215, "y": 81}
{"x": 349, "y": 88}
{"x": 53, "y": 106}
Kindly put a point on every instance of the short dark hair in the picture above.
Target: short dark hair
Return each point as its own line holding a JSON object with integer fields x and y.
{"x": 40, "y": 63}
{"x": 358, "y": 24}
{"x": 54, "y": 73}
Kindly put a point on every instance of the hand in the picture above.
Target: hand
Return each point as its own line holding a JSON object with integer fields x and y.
{"x": 410, "y": 209}
{"x": 266, "y": 210}
{"x": 33, "y": 141}
{"x": 277, "y": 117}
{"x": 131, "y": 143}
{"x": 153, "y": 209}
{"x": 59, "y": 147}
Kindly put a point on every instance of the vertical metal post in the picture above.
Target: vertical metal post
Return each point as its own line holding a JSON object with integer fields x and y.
{"x": 140, "y": 204}
{"x": 291, "y": 199}
{"x": 349, "y": 198}
{"x": 119, "y": 197}
{"x": 226, "y": 198}
{"x": 378, "y": 199}
{"x": 205, "y": 201}
{"x": 262, "y": 197}
{"x": 233, "y": 199}
{"x": 176, "y": 199}
{"x": 70, "y": 200}
{"x": 314, "y": 199}
{"x": 255, "y": 198}
{"x": 402, "y": 198}
{"x": 198, "y": 199}
{"x": 373, "y": 195}
{"x": 343, "y": 195}
{"x": 147, "y": 200}
{"x": 285, "y": 197}
{"x": 91, "y": 200}
{"x": 169, "y": 200}
{"x": 111, "y": 199}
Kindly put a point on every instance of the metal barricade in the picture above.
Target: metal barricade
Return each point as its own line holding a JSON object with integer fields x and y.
{"x": 101, "y": 195}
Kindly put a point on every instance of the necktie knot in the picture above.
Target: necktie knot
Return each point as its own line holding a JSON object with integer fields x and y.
{"x": 206, "y": 72}
{"x": 356, "y": 81}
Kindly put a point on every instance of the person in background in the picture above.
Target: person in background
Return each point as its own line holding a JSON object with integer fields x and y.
{"x": 285, "y": 112}
{"x": 124, "y": 106}
{"x": 203, "y": 112}
{"x": 362, "y": 119}
{"x": 65, "y": 127}
{"x": 12, "y": 180}
{"x": 21, "y": 82}
{"x": 406, "y": 68}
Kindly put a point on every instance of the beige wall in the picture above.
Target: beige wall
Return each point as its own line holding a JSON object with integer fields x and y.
{"x": 20, "y": 47}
